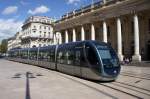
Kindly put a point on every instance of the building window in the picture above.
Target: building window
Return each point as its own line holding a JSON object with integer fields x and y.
{"x": 40, "y": 33}
{"x": 49, "y": 34}
{"x": 34, "y": 27}
{"x": 44, "y": 27}
{"x": 44, "y": 21}
{"x": 44, "y": 34}
{"x": 40, "y": 27}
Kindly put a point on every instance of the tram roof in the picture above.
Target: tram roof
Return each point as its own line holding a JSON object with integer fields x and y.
{"x": 70, "y": 44}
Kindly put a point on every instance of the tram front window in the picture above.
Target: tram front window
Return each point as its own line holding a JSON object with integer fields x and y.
{"x": 109, "y": 59}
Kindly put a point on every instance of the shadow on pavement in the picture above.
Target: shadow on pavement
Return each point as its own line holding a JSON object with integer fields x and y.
{"x": 28, "y": 86}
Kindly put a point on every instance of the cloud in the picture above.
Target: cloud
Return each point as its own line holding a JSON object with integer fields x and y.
{"x": 39, "y": 10}
{"x": 9, "y": 27}
{"x": 24, "y": 2}
{"x": 73, "y": 1}
{"x": 10, "y": 10}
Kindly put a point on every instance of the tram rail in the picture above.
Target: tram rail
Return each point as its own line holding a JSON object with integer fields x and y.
{"x": 135, "y": 76}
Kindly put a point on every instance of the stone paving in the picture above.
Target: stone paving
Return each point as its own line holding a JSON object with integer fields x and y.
{"x": 23, "y": 81}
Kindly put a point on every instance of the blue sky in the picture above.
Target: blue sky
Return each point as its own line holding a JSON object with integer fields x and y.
{"x": 14, "y": 12}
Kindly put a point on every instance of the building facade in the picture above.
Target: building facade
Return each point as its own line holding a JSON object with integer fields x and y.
{"x": 125, "y": 24}
{"x": 37, "y": 31}
{"x": 15, "y": 42}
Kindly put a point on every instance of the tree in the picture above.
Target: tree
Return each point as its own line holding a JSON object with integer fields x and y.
{"x": 3, "y": 46}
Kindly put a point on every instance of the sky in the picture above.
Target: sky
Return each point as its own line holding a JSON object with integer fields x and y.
{"x": 14, "y": 12}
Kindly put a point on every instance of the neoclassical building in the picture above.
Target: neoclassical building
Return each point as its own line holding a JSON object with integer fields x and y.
{"x": 125, "y": 24}
{"x": 15, "y": 41}
{"x": 37, "y": 31}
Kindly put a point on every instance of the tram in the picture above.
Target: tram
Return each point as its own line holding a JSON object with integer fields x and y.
{"x": 88, "y": 59}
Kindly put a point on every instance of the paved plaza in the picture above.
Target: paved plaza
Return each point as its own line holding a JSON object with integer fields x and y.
{"x": 23, "y": 81}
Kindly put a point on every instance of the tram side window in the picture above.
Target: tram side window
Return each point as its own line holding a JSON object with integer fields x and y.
{"x": 24, "y": 54}
{"x": 40, "y": 56}
{"x": 18, "y": 54}
{"x": 33, "y": 55}
{"x": 77, "y": 57}
{"x": 21, "y": 54}
{"x": 52, "y": 56}
{"x": 15, "y": 54}
{"x": 43, "y": 56}
{"x": 48, "y": 56}
{"x": 70, "y": 57}
{"x": 11, "y": 54}
{"x": 59, "y": 57}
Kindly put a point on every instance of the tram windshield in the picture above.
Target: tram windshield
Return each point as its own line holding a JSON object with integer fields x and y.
{"x": 108, "y": 56}
{"x": 105, "y": 54}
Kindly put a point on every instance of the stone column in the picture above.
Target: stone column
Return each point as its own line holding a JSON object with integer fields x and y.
{"x": 66, "y": 36}
{"x": 55, "y": 41}
{"x": 104, "y": 32}
{"x": 136, "y": 57}
{"x": 60, "y": 39}
{"x": 119, "y": 39}
{"x": 104, "y": 1}
{"x": 82, "y": 33}
{"x": 74, "y": 34}
{"x": 92, "y": 32}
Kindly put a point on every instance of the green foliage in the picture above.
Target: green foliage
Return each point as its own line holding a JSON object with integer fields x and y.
{"x": 3, "y": 46}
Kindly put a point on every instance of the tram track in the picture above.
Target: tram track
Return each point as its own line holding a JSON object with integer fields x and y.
{"x": 133, "y": 86}
{"x": 131, "y": 90}
{"x": 135, "y": 76}
{"x": 118, "y": 87}
{"x": 120, "y": 90}
{"x": 143, "y": 74}
{"x": 110, "y": 86}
